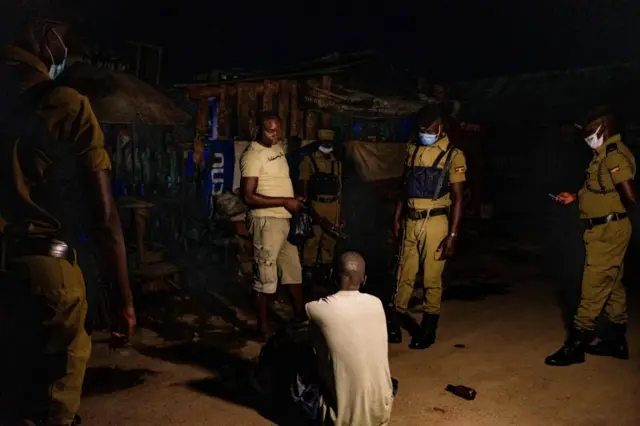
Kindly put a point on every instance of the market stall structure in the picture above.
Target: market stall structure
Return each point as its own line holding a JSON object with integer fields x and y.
{"x": 138, "y": 121}
{"x": 367, "y": 102}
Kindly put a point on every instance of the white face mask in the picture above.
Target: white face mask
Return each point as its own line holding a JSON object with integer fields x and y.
{"x": 325, "y": 149}
{"x": 594, "y": 141}
{"x": 56, "y": 69}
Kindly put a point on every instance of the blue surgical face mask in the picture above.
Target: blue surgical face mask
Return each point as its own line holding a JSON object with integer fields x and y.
{"x": 427, "y": 139}
{"x": 56, "y": 69}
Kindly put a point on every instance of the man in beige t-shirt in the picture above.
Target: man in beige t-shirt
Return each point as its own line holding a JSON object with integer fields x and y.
{"x": 352, "y": 351}
{"x": 267, "y": 188}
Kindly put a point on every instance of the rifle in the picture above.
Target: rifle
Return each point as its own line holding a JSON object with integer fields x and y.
{"x": 397, "y": 270}
{"x": 326, "y": 225}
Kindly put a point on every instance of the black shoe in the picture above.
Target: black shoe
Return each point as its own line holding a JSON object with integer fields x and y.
{"x": 308, "y": 275}
{"x": 77, "y": 421}
{"x": 613, "y": 342}
{"x": 427, "y": 334}
{"x": 572, "y": 352}
{"x": 394, "y": 330}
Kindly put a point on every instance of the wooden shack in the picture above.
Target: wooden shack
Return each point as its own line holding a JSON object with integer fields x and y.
{"x": 332, "y": 92}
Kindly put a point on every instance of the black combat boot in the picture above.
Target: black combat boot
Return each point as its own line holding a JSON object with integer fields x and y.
{"x": 77, "y": 421}
{"x": 308, "y": 275}
{"x": 613, "y": 342}
{"x": 426, "y": 336}
{"x": 394, "y": 324}
{"x": 324, "y": 275}
{"x": 572, "y": 352}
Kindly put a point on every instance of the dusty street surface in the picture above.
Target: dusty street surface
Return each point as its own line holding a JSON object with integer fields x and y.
{"x": 495, "y": 344}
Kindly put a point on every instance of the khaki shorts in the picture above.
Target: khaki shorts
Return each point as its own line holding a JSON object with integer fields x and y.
{"x": 273, "y": 255}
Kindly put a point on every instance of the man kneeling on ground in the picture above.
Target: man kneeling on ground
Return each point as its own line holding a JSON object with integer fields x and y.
{"x": 351, "y": 350}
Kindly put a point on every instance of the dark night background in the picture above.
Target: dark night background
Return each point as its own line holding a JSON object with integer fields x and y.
{"x": 529, "y": 149}
{"x": 445, "y": 40}
{"x": 450, "y": 40}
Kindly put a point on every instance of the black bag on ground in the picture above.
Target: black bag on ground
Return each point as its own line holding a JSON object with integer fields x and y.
{"x": 285, "y": 374}
{"x": 301, "y": 228}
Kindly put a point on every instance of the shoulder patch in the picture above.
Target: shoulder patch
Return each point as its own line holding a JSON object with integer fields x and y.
{"x": 612, "y": 148}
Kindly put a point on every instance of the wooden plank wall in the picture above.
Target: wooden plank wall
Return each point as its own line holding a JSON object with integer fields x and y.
{"x": 247, "y": 100}
{"x": 295, "y": 126}
{"x": 284, "y": 100}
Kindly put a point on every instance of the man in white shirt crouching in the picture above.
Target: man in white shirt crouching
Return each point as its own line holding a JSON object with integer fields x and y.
{"x": 351, "y": 349}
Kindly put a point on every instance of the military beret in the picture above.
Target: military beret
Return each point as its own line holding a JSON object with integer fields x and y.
{"x": 428, "y": 114}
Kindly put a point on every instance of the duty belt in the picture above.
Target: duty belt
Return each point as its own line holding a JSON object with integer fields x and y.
{"x": 423, "y": 214}
{"x": 38, "y": 246}
{"x": 595, "y": 221}
{"x": 325, "y": 198}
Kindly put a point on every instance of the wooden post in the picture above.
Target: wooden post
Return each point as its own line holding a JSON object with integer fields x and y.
{"x": 283, "y": 105}
{"x": 267, "y": 97}
{"x": 252, "y": 107}
{"x": 295, "y": 113}
{"x": 201, "y": 129}
{"x": 243, "y": 113}
{"x": 223, "y": 122}
{"x": 325, "y": 83}
{"x": 310, "y": 125}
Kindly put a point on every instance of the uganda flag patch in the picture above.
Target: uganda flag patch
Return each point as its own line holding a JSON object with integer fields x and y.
{"x": 459, "y": 169}
{"x": 615, "y": 170}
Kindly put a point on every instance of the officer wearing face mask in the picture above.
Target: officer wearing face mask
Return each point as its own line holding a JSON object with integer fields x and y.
{"x": 321, "y": 182}
{"x": 427, "y": 216}
{"x": 54, "y": 175}
{"x": 606, "y": 200}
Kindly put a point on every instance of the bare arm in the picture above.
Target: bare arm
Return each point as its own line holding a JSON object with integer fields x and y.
{"x": 628, "y": 194}
{"x": 621, "y": 171}
{"x": 457, "y": 190}
{"x": 399, "y": 209}
{"x": 248, "y": 188}
{"x": 109, "y": 230}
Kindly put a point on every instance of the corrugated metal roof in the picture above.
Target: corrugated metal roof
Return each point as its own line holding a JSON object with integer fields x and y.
{"x": 328, "y": 64}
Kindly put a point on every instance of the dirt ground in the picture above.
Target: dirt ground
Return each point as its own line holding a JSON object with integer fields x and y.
{"x": 493, "y": 337}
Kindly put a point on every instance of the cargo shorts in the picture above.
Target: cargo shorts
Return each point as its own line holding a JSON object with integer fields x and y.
{"x": 274, "y": 256}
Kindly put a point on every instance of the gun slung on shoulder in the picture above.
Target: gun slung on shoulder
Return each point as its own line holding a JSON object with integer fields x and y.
{"x": 326, "y": 225}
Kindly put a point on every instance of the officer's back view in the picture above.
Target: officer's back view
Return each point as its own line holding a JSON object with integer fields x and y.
{"x": 54, "y": 174}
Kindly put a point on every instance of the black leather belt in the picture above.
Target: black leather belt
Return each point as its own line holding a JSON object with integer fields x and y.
{"x": 423, "y": 214}
{"x": 595, "y": 221}
{"x": 39, "y": 246}
{"x": 325, "y": 198}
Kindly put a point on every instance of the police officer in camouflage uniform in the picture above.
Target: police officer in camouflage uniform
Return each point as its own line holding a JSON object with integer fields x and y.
{"x": 606, "y": 200}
